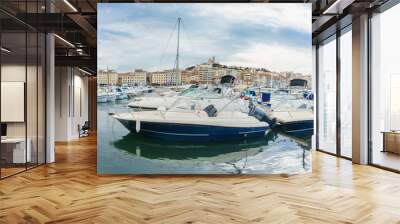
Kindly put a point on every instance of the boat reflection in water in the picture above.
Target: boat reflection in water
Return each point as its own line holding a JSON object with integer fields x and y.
{"x": 235, "y": 157}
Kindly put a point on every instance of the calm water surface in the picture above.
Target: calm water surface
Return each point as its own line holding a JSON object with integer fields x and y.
{"x": 120, "y": 152}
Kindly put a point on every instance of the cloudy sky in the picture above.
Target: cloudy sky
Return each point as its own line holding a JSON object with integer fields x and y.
{"x": 273, "y": 36}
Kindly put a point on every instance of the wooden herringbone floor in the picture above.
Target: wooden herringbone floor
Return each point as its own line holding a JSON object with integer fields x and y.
{"x": 69, "y": 191}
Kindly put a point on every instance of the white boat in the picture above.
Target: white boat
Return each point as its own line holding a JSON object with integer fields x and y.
{"x": 290, "y": 114}
{"x": 194, "y": 124}
{"x": 161, "y": 99}
{"x": 111, "y": 97}
{"x": 120, "y": 94}
{"x": 138, "y": 91}
{"x": 206, "y": 94}
{"x": 102, "y": 96}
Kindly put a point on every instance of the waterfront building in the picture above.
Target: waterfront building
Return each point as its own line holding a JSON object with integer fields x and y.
{"x": 190, "y": 77}
{"x": 206, "y": 72}
{"x": 107, "y": 77}
{"x": 158, "y": 78}
{"x": 171, "y": 77}
{"x": 164, "y": 78}
{"x": 136, "y": 78}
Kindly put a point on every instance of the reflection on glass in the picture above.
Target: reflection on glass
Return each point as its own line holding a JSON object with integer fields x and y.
{"x": 385, "y": 85}
{"x": 346, "y": 94}
{"x": 23, "y": 91}
{"x": 394, "y": 102}
{"x": 327, "y": 96}
{"x": 15, "y": 150}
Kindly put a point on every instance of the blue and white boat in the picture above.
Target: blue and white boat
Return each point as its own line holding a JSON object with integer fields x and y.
{"x": 120, "y": 94}
{"x": 289, "y": 114}
{"x": 299, "y": 123}
{"x": 111, "y": 95}
{"x": 207, "y": 124}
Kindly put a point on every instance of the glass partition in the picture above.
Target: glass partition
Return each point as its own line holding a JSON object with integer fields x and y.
{"x": 327, "y": 96}
{"x": 385, "y": 89}
{"x": 22, "y": 77}
{"x": 14, "y": 145}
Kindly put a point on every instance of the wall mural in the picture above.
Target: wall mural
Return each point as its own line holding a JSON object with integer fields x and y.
{"x": 204, "y": 88}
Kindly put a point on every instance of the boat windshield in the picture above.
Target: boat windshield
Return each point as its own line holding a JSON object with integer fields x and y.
{"x": 190, "y": 92}
{"x": 289, "y": 102}
{"x": 210, "y": 93}
{"x": 221, "y": 104}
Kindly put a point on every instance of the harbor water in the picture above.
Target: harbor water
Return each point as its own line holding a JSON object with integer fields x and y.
{"x": 122, "y": 152}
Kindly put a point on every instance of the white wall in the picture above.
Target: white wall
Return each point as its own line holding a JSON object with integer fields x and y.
{"x": 71, "y": 87}
{"x": 79, "y": 115}
{"x": 61, "y": 103}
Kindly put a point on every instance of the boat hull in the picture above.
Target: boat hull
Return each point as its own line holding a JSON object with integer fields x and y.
{"x": 111, "y": 98}
{"x": 193, "y": 132}
{"x": 102, "y": 99}
{"x": 121, "y": 97}
{"x": 302, "y": 128}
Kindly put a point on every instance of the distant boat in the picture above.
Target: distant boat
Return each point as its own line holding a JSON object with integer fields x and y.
{"x": 111, "y": 97}
{"x": 120, "y": 94}
{"x": 102, "y": 96}
{"x": 193, "y": 125}
{"x": 138, "y": 91}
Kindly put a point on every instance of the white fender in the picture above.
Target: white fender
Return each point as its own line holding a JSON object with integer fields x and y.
{"x": 137, "y": 126}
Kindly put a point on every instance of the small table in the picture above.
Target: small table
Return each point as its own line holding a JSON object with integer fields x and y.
{"x": 13, "y": 150}
{"x": 391, "y": 141}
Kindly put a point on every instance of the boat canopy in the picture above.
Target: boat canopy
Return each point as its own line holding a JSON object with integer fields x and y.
{"x": 227, "y": 79}
{"x": 298, "y": 82}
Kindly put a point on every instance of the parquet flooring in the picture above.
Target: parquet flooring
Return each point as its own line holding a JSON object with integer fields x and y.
{"x": 70, "y": 191}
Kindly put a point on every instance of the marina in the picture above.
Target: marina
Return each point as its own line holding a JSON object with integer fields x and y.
{"x": 205, "y": 128}
{"x": 229, "y": 121}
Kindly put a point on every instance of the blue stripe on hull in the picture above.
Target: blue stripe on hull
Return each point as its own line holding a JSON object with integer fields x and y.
{"x": 199, "y": 133}
{"x": 300, "y": 128}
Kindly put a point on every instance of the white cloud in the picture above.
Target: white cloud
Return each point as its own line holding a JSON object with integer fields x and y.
{"x": 274, "y": 57}
{"x": 125, "y": 43}
{"x": 291, "y": 16}
{"x": 143, "y": 45}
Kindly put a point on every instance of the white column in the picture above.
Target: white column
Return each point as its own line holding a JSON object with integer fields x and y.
{"x": 314, "y": 89}
{"x": 360, "y": 90}
{"x": 50, "y": 99}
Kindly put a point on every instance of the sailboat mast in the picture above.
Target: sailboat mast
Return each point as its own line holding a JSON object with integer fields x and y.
{"x": 108, "y": 78}
{"x": 178, "y": 77}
